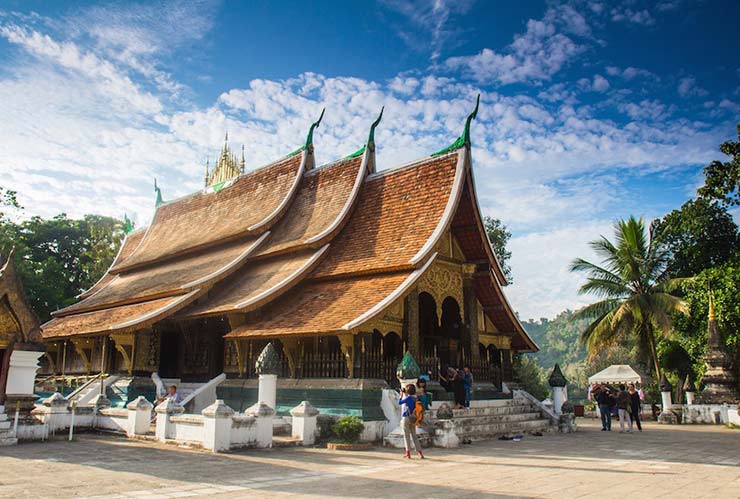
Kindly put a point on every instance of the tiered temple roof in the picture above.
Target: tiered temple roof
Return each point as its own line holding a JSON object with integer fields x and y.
{"x": 314, "y": 250}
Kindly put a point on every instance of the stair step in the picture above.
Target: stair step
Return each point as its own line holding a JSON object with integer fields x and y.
{"x": 285, "y": 441}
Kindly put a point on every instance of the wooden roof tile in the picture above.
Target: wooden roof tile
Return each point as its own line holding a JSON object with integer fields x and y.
{"x": 322, "y": 307}
{"x": 202, "y": 219}
{"x": 133, "y": 316}
{"x": 258, "y": 283}
{"x": 320, "y": 201}
{"x": 396, "y": 213}
{"x": 169, "y": 278}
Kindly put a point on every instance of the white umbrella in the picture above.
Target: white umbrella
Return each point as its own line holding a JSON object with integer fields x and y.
{"x": 614, "y": 374}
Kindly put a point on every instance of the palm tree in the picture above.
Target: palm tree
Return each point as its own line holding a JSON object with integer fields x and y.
{"x": 635, "y": 290}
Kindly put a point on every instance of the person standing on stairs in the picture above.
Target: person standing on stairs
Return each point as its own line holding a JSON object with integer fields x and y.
{"x": 407, "y": 401}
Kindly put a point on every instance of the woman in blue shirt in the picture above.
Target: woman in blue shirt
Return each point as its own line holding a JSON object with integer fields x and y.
{"x": 408, "y": 420}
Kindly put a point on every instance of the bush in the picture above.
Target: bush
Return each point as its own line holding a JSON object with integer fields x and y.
{"x": 348, "y": 429}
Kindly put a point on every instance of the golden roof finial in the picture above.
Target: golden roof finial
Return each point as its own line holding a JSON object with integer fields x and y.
{"x": 243, "y": 161}
{"x": 712, "y": 316}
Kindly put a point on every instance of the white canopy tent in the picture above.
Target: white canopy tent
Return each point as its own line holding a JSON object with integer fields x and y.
{"x": 615, "y": 374}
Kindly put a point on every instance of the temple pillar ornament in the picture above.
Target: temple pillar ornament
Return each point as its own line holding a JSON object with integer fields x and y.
{"x": 411, "y": 314}
{"x": 558, "y": 385}
{"x": 217, "y": 426}
{"x": 471, "y": 311}
{"x": 666, "y": 416}
{"x": 290, "y": 349}
{"x": 346, "y": 342}
{"x": 82, "y": 347}
{"x": 267, "y": 367}
{"x": 125, "y": 345}
{"x": 139, "y": 416}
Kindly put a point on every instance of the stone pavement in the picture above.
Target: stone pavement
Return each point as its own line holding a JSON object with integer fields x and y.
{"x": 679, "y": 461}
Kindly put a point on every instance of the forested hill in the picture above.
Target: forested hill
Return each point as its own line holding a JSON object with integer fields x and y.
{"x": 558, "y": 339}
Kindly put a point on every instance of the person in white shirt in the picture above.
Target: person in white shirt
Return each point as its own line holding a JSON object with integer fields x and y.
{"x": 172, "y": 395}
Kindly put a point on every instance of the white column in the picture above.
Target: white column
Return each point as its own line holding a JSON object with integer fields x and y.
{"x": 267, "y": 391}
{"x": 164, "y": 426}
{"x": 559, "y": 396}
{"x": 264, "y": 414}
{"x": 22, "y": 372}
{"x": 139, "y": 416}
{"x": 217, "y": 426}
{"x": 304, "y": 422}
{"x": 54, "y": 412}
{"x": 690, "y": 398}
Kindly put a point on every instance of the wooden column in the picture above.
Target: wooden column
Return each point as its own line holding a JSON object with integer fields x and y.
{"x": 411, "y": 320}
{"x": 471, "y": 311}
{"x": 507, "y": 371}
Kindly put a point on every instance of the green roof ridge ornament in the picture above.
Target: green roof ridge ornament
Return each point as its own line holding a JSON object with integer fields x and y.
{"x": 408, "y": 368}
{"x": 158, "y": 201}
{"x": 464, "y": 139}
{"x": 268, "y": 361}
{"x": 370, "y": 138}
{"x": 128, "y": 225}
{"x": 556, "y": 377}
{"x": 315, "y": 124}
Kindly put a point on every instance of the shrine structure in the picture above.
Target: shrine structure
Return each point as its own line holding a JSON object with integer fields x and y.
{"x": 343, "y": 266}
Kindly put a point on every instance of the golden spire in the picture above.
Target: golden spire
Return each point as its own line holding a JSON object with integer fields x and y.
{"x": 226, "y": 167}
{"x": 207, "y": 172}
{"x": 243, "y": 161}
{"x": 712, "y": 316}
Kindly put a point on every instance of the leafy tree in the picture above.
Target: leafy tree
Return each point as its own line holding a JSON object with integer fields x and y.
{"x": 722, "y": 180}
{"x": 530, "y": 376}
{"x": 635, "y": 291}
{"x": 558, "y": 340}
{"x": 499, "y": 236}
{"x": 61, "y": 257}
{"x": 691, "y": 330}
{"x": 699, "y": 235}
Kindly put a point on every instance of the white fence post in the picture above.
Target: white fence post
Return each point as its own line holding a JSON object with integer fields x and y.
{"x": 304, "y": 422}
{"x": 164, "y": 410}
{"x": 217, "y": 426}
{"x": 139, "y": 416}
{"x": 264, "y": 414}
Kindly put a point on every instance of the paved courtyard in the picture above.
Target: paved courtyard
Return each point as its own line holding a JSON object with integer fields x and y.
{"x": 675, "y": 462}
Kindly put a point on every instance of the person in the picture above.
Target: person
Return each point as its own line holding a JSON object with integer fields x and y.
{"x": 452, "y": 381}
{"x": 422, "y": 395}
{"x": 604, "y": 400}
{"x": 467, "y": 384}
{"x": 172, "y": 395}
{"x": 407, "y": 401}
{"x": 623, "y": 406}
{"x": 635, "y": 401}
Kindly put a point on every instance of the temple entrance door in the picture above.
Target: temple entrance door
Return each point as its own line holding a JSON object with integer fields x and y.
{"x": 450, "y": 352}
{"x": 169, "y": 354}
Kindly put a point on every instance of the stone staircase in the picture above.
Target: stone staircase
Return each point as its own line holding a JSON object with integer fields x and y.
{"x": 6, "y": 433}
{"x": 496, "y": 418}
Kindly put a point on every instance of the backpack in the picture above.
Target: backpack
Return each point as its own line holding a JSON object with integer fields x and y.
{"x": 418, "y": 414}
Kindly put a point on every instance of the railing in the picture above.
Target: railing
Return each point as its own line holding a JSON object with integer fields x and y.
{"x": 374, "y": 365}
{"x": 322, "y": 365}
{"x": 429, "y": 364}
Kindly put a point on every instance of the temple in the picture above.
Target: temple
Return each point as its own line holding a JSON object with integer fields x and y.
{"x": 342, "y": 266}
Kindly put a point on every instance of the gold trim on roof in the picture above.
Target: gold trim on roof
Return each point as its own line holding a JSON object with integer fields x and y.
{"x": 227, "y": 167}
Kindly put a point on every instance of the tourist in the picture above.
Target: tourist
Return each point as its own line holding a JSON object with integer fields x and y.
{"x": 635, "y": 401}
{"x": 452, "y": 381}
{"x": 467, "y": 384}
{"x": 407, "y": 401}
{"x": 624, "y": 404}
{"x": 605, "y": 402}
{"x": 172, "y": 395}
{"x": 422, "y": 395}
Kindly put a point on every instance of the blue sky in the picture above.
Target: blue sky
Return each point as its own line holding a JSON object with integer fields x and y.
{"x": 590, "y": 111}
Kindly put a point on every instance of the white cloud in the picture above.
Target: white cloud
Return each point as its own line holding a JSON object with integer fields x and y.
{"x": 630, "y": 73}
{"x": 642, "y": 17}
{"x": 687, "y": 87}
{"x": 533, "y": 56}
{"x": 543, "y": 285}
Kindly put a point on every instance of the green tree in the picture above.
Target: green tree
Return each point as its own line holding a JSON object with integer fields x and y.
{"x": 530, "y": 376}
{"x": 635, "y": 290}
{"x": 722, "y": 180}
{"x": 60, "y": 257}
{"x": 691, "y": 330}
{"x": 699, "y": 235}
{"x": 498, "y": 236}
